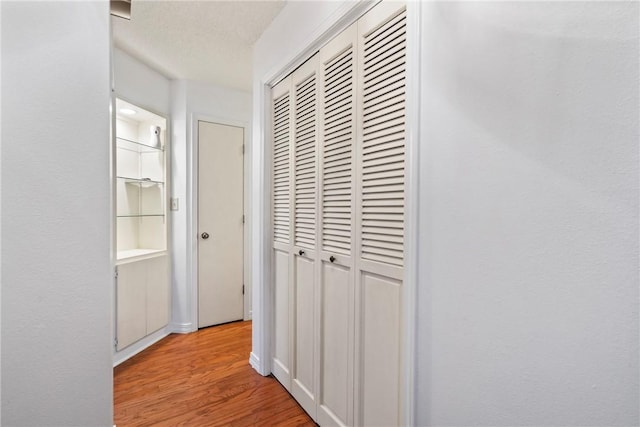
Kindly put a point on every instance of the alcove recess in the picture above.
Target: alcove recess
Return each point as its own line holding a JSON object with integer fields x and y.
{"x": 140, "y": 182}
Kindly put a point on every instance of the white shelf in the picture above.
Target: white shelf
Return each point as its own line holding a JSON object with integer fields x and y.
{"x": 144, "y": 182}
{"x": 140, "y": 187}
{"x": 135, "y": 253}
{"x": 138, "y": 147}
{"x": 139, "y": 215}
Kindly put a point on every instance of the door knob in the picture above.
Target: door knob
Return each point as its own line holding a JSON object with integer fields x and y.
{"x": 332, "y": 258}
{"x": 300, "y": 252}
{"x": 205, "y": 235}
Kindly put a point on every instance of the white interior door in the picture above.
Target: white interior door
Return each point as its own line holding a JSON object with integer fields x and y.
{"x": 220, "y": 223}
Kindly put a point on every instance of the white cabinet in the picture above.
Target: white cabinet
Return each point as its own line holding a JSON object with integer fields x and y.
{"x": 338, "y": 183}
{"x": 142, "y": 299}
{"x": 131, "y": 303}
{"x": 141, "y": 223}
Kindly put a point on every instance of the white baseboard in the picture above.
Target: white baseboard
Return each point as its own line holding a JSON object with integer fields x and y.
{"x": 254, "y": 361}
{"x": 182, "y": 328}
{"x": 137, "y": 347}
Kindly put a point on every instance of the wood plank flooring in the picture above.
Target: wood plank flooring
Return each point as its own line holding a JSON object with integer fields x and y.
{"x": 201, "y": 379}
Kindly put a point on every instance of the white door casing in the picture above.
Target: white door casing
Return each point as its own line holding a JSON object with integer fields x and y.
{"x": 220, "y": 223}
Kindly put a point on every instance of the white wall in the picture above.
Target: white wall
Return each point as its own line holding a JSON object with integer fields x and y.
{"x": 297, "y": 26}
{"x": 528, "y": 231}
{"x": 56, "y": 277}
{"x": 194, "y": 100}
{"x": 529, "y": 214}
{"x": 140, "y": 84}
{"x": 181, "y": 292}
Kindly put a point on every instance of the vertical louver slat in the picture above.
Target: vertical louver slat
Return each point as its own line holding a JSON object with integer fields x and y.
{"x": 281, "y": 172}
{"x": 338, "y": 151}
{"x": 383, "y": 141}
{"x": 305, "y": 163}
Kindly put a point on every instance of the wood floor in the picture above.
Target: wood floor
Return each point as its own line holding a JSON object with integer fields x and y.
{"x": 201, "y": 379}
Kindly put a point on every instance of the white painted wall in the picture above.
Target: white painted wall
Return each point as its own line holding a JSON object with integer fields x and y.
{"x": 528, "y": 231}
{"x": 528, "y": 295}
{"x": 56, "y": 277}
{"x": 140, "y": 84}
{"x": 181, "y": 292}
{"x": 190, "y": 101}
{"x": 297, "y": 26}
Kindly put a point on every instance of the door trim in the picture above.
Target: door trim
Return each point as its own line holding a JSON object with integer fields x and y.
{"x": 261, "y": 256}
{"x": 411, "y": 260}
{"x": 192, "y": 217}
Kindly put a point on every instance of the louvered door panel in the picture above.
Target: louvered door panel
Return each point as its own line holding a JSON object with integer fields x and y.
{"x": 282, "y": 130}
{"x": 281, "y": 168}
{"x": 337, "y": 184}
{"x": 303, "y": 374}
{"x": 305, "y": 162}
{"x": 383, "y": 140}
{"x": 337, "y": 165}
{"x": 380, "y": 213}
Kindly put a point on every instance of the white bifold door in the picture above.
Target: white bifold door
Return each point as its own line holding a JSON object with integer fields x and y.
{"x": 338, "y": 138}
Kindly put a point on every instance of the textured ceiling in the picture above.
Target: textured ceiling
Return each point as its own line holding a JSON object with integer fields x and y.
{"x": 208, "y": 41}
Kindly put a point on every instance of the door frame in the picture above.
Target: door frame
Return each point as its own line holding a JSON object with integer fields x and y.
{"x": 192, "y": 217}
{"x": 261, "y": 256}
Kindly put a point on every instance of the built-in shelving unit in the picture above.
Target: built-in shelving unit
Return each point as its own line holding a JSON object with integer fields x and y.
{"x": 140, "y": 172}
{"x": 140, "y": 181}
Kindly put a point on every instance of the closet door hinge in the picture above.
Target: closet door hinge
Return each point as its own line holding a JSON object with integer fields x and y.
{"x": 242, "y": 148}
{"x": 243, "y": 219}
{"x": 243, "y": 289}
{"x": 115, "y": 273}
{"x": 115, "y": 343}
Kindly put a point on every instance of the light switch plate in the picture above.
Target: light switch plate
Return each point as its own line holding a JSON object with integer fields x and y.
{"x": 174, "y": 203}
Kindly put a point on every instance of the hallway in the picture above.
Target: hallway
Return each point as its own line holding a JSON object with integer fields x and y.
{"x": 201, "y": 379}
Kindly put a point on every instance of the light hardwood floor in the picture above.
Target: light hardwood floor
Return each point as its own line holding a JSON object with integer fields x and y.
{"x": 201, "y": 379}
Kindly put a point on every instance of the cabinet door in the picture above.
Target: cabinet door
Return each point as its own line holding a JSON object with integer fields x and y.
{"x": 305, "y": 103}
{"x": 337, "y": 170}
{"x": 131, "y": 303}
{"x": 158, "y": 292}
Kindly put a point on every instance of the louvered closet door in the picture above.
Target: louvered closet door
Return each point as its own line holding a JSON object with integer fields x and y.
{"x": 281, "y": 214}
{"x": 380, "y": 213}
{"x": 337, "y": 218}
{"x": 305, "y": 107}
